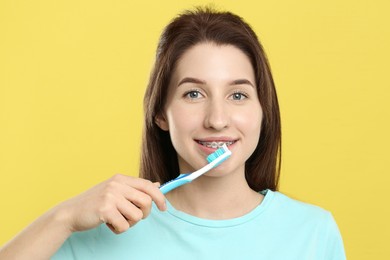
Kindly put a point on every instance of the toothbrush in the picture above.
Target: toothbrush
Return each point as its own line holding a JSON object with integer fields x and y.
{"x": 214, "y": 160}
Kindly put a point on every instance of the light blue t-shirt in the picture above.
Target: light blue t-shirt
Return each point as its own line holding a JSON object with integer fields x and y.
{"x": 279, "y": 228}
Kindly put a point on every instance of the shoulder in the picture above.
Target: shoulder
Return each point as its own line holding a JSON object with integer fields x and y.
{"x": 303, "y": 215}
{"x": 292, "y": 206}
{"x": 285, "y": 209}
{"x": 303, "y": 224}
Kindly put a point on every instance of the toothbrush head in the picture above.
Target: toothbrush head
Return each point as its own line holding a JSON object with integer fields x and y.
{"x": 221, "y": 154}
{"x": 214, "y": 159}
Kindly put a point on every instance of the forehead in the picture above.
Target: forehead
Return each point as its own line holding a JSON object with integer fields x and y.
{"x": 210, "y": 61}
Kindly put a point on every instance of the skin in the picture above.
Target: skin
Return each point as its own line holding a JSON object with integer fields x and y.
{"x": 214, "y": 87}
{"x": 120, "y": 202}
{"x": 213, "y": 97}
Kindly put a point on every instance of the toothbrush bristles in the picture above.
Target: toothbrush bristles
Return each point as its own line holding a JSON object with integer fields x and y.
{"x": 217, "y": 153}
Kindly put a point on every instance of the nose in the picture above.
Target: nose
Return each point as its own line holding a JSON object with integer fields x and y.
{"x": 217, "y": 115}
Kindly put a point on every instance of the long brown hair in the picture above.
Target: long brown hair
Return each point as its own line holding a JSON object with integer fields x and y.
{"x": 158, "y": 158}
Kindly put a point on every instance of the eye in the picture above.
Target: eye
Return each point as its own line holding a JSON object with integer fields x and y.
{"x": 193, "y": 94}
{"x": 238, "y": 96}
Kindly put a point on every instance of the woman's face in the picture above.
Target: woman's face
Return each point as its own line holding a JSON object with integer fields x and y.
{"x": 212, "y": 99}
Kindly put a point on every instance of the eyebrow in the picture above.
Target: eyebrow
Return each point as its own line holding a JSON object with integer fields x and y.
{"x": 199, "y": 81}
{"x": 191, "y": 80}
{"x": 241, "y": 82}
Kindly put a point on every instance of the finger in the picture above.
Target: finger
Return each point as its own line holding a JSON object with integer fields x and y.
{"x": 149, "y": 188}
{"x": 131, "y": 212}
{"x": 135, "y": 197}
{"x": 125, "y": 195}
{"x": 121, "y": 190}
{"x": 116, "y": 222}
{"x": 140, "y": 199}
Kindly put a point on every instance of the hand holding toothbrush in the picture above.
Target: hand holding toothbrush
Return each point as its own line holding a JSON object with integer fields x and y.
{"x": 120, "y": 202}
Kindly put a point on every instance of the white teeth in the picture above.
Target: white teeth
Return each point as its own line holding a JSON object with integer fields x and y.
{"x": 215, "y": 144}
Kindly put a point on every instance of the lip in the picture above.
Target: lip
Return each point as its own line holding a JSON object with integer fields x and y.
{"x": 208, "y": 150}
{"x": 217, "y": 139}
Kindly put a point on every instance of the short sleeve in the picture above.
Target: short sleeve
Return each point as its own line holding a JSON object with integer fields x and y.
{"x": 334, "y": 247}
{"x": 65, "y": 252}
{"x": 80, "y": 245}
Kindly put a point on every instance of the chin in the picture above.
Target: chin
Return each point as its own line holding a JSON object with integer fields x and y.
{"x": 219, "y": 171}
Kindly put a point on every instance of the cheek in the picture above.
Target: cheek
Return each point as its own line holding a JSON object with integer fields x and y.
{"x": 249, "y": 124}
{"x": 250, "y": 119}
{"x": 182, "y": 122}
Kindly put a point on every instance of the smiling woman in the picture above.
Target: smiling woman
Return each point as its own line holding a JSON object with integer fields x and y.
{"x": 211, "y": 85}
{"x": 182, "y": 38}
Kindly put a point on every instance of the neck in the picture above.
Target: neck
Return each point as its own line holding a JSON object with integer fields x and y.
{"x": 216, "y": 197}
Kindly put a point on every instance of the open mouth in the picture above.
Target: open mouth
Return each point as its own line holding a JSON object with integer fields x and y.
{"x": 215, "y": 144}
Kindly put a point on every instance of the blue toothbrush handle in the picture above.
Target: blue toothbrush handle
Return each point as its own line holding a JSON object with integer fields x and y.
{"x": 173, "y": 184}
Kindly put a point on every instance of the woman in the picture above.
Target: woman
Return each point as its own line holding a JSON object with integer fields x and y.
{"x": 211, "y": 85}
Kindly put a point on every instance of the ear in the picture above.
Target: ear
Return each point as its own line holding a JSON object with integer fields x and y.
{"x": 162, "y": 122}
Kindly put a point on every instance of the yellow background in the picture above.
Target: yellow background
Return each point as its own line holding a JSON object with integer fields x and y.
{"x": 73, "y": 74}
